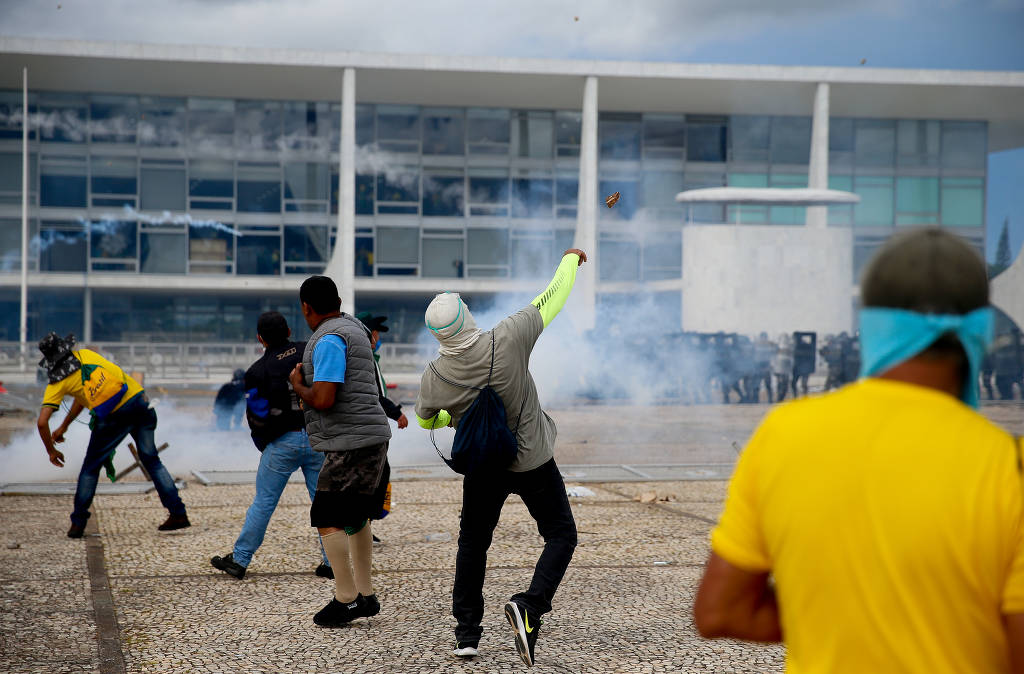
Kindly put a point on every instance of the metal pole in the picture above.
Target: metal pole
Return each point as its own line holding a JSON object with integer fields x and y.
{"x": 23, "y": 326}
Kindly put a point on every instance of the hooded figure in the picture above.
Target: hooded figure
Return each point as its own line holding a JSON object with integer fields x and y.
{"x": 229, "y": 406}
{"x": 449, "y": 320}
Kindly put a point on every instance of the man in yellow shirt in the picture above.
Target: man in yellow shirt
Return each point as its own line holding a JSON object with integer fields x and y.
{"x": 119, "y": 407}
{"x": 879, "y": 528}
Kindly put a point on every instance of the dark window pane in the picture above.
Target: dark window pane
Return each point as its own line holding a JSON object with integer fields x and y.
{"x": 162, "y": 189}
{"x": 620, "y": 136}
{"x": 211, "y": 179}
{"x": 917, "y": 142}
{"x": 443, "y": 132}
{"x": 750, "y": 137}
{"x": 113, "y": 119}
{"x": 211, "y": 124}
{"x": 489, "y": 189}
{"x": 307, "y": 127}
{"x": 364, "y": 195}
{"x": 705, "y": 139}
{"x": 63, "y": 123}
{"x": 398, "y": 245}
{"x": 791, "y": 140}
{"x": 399, "y": 184}
{"x": 874, "y": 142}
{"x": 443, "y": 194}
{"x": 398, "y": 123}
{"x": 567, "y": 190}
{"x": 664, "y": 136}
{"x": 364, "y": 125}
{"x": 534, "y": 133}
{"x": 364, "y": 256}
{"x": 259, "y": 255}
{"x": 628, "y": 202}
{"x": 259, "y": 188}
{"x": 113, "y": 185}
{"x": 62, "y": 190}
{"x": 258, "y": 125}
{"x": 532, "y": 197}
{"x": 306, "y": 180}
{"x": 112, "y": 239}
{"x": 964, "y": 145}
{"x": 488, "y": 126}
{"x": 162, "y": 122}
{"x": 306, "y": 243}
{"x": 11, "y": 115}
{"x": 62, "y": 249}
{"x": 568, "y": 128}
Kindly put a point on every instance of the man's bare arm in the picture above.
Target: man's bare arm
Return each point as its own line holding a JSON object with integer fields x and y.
{"x": 1013, "y": 624}
{"x": 319, "y": 396}
{"x": 76, "y": 409}
{"x": 43, "y": 425}
{"x": 735, "y": 603}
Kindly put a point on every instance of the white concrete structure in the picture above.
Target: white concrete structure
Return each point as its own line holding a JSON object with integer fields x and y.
{"x": 777, "y": 278}
{"x": 1008, "y": 290}
{"x": 910, "y": 143}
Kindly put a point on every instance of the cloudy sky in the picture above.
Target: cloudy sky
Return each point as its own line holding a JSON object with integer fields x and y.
{"x": 959, "y": 34}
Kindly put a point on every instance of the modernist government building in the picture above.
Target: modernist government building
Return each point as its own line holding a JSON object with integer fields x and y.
{"x": 176, "y": 192}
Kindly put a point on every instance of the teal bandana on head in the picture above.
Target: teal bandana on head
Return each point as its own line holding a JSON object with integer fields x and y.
{"x": 890, "y": 336}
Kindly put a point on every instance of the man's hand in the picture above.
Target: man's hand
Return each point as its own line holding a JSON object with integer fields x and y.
{"x": 583, "y": 256}
{"x": 296, "y": 377}
{"x": 56, "y": 457}
{"x": 402, "y": 421}
{"x": 58, "y": 433}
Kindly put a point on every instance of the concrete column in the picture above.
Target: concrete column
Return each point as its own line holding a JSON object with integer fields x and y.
{"x": 817, "y": 178}
{"x": 87, "y": 315}
{"x": 341, "y": 268}
{"x": 585, "y": 304}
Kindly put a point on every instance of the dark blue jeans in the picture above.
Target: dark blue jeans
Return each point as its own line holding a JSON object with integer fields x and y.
{"x": 483, "y": 495}
{"x": 137, "y": 418}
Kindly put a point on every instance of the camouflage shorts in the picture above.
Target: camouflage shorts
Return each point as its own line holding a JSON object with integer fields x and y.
{"x": 356, "y": 471}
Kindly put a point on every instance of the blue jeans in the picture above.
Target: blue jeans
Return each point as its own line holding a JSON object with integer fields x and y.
{"x": 281, "y": 458}
{"x": 137, "y": 418}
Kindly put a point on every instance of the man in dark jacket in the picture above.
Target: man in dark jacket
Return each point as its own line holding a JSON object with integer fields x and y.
{"x": 340, "y": 391}
{"x": 229, "y": 405}
{"x": 279, "y": 432}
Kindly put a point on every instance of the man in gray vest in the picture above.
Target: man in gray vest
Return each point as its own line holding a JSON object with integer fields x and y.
{"x": 337, "y": 382}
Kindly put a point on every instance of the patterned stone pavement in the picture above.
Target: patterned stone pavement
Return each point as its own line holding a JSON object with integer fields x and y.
{"x": 624, "y": 605}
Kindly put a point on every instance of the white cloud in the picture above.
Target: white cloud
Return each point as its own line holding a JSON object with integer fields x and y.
{"x": 642, "y": 29}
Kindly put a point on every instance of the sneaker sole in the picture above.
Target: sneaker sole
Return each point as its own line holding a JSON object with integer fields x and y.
{"x": 465, "y": 652}
{"x": 515, "y": 619}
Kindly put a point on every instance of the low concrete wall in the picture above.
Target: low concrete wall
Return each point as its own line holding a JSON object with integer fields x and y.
{"x": 749, "y": 279}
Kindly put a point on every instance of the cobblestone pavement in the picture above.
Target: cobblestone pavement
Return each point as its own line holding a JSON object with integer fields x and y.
{"x": 624, "y": 605}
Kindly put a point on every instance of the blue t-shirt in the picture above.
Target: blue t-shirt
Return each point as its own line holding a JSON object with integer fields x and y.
{"x": 329, "y": 356}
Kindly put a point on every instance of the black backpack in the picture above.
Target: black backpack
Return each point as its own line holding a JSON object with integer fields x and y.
{"x": 483, "y": 440}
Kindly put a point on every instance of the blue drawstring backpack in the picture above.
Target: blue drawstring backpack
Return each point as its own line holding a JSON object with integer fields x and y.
{"x": 483, "y": 440}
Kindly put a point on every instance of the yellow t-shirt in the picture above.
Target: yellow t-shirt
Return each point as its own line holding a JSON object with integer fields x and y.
{"x": 890, "y": 517}
{"x": 72, "y": 384}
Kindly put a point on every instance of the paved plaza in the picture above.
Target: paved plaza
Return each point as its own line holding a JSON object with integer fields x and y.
{"x": 130, "y": 599}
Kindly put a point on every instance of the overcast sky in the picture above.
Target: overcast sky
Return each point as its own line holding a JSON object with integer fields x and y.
{"x": 958, "y": 34}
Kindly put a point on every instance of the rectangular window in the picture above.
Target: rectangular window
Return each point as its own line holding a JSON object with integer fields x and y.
{"x": 114, "y": 180}
{"x": 568, "y": 131}
{"x": 917, "y": 142}
{"x": 259, "y": 253}
{"x": 162, "y": 188}
{"x": 658, "y": 193}
{"x": 307, "y": 243}
{"x": 113, "y": 240}
{"x": 211, "y": 124}
{"x": 11, "y": 115}
{"x": 791, "y": 140}
{"x": 211, "y": 250}
{"x": 443, "y": 257}
{"x": 840, "y": 141}
{"x": 364, "y": 193}
{"x": 706, "y": 138}
{"x": 307, "y": 127}
{"x": 63, "y": 246}
{"x": 258, "y": 125}
{"x": 306, "y": 182}
{"x": 917, "y": 195}
{"x": 750, "y": 138}
{"x": 63, "y": 119}
{"x": 365, "y": 131}
{"x": 398, "y": 245}
{"x": 398, "y": 190}
{"x": 627, "y": 259}
{"x": 163, "y": 252}
{"x": 533, "y": 133}
{"x": 162, "y": 121}
{"x": 398, "y": 128}
{"x": 963, "y": 202}
{"x": 444, "y": 131}
{"x": 567, "y": 188}
{"x": 664, "y": 137}
{"x": 488, "y": 191}
{"x": 532, "y": 194}
{"x": 488, "y": 247}
{"x": 487, "y": 131}
{"x": 619, "y": 135}
{"x": 63, "y": 182}
{"x": 748, "y": 215}
{"x": 444, "y": 192}
{"x": 259, "y": 187}
{"x": 876, "y": 201}
{"x": 712, "y": 213}
{"x": 964, "y": 145}
{"x": 113, "y": 119}
{"x": 214, "y": 182}
{"x": 874, "y": 142}
{"x": 628, "y": 188}
{"x": 787, "y": 215}
{"x": 364, "y": 254}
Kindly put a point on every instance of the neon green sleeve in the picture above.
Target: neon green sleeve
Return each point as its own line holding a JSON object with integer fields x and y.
{"x": 439, "y": 420}
{"x": 551, "y": 301}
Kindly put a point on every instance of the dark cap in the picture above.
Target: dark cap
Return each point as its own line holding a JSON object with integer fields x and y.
{"x": 373, "y": 322}
{"x": 273, "y": 328}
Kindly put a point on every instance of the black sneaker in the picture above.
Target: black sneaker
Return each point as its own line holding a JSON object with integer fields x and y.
{"x": 324, "y": 571}
{"x": 336, "y": 614}
{"x": 368, "y": 605}
{"x": 228, "y": 565}
{"x": 175, "y": 522}
{"x": 377, "y": 541}
{"x": 76, "y": 531}
{"x": 466, "y": 649}
{"x": 526, "y": 631}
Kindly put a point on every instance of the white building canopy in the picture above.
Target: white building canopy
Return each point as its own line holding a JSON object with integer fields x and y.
{"x": 772, "y": 196}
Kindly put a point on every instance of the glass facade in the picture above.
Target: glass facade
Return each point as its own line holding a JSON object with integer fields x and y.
{"x": 206, "y": 186}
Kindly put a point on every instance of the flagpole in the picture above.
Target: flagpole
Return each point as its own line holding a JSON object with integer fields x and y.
{"x": 23, "y": 327}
